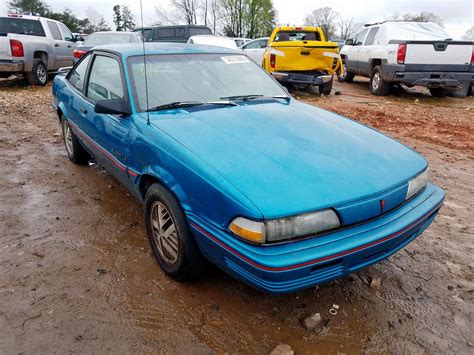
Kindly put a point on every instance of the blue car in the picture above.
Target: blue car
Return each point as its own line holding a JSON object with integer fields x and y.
{"x": 231, "y": 169}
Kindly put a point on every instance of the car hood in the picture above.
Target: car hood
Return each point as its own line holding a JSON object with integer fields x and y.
{"x": 292, "y": 158}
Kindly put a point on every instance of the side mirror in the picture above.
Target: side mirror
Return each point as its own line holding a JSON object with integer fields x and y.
{"x": 349, "y": 42}
{"x": 113, "y": 107}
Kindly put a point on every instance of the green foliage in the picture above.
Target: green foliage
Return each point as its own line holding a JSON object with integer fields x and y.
{"x": 29, "y": 7}
{"x": 123, "y": 18}
{"x": 247, "y": 18}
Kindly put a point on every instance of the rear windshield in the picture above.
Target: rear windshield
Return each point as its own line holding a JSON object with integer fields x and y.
{"x": 96, "y": 39}
{"x": 21, "y": 26}
{"x": 297, "y": 36}
{"x": 194, "y": 31}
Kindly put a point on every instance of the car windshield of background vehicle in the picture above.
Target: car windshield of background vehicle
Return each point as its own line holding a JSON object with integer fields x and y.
{"x": 297, "y": 36}
{"x": 106, "y": 38}
{"x": 21, "y": 27}
{"x": 197, "y": 77}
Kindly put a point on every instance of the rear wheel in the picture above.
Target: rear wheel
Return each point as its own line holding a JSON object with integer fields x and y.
{"x": 39, "y": 74}
{"x": 377, "y": 85}
{"x": 75, "y": 151}
{"x": 326, "y": 88}
{"x": 172, "y": 243}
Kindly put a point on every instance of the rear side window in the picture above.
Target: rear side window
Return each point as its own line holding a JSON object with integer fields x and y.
{"x": 166, "y": 32}
{"x": 105, "y": 80}
{"x": 297, "y": 36}
{"x": 53, "y": 27}
{"x": 179, "y": 32}
{"x": 67, "y": 35}
{"x": 195, "y": 31}
{"x": 371, "y": 36}
{"x": 78, "y": 75}
{"x": 360, "y": 37}
{"x": 21, "y": 27}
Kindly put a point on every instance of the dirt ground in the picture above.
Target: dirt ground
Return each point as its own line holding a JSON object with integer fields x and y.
{"x": 77, "y": 274}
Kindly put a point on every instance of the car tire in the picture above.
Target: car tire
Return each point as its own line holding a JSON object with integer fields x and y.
{"x": 38, "y": 75}
{"x": 172, "y": 242}
{"x": 75, "y": 151}
{"x": 377, "y": 85}
{"x": 345, "y": 76}
{"x": 326, "y": 88}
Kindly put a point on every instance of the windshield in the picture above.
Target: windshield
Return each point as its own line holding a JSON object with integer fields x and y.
{"x": 108, "y": 38}
{"x": 21, "y": 26}
{"x": 197, "y": 77}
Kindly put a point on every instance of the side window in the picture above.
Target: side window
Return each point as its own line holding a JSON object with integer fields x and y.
{"x": 105, "y": 80}
{"x": 53, "y": 27}
{"x": 166, "y": 32}
{"x": 252, "y": 45}
{"x": 263, "y": 43}
{"x": 179, "y": 32}
{"x": 371, "y": 36}
{"x": 360, "y": 37}
{"x": 78, "y": 75}
{"x": 67, "y": 35}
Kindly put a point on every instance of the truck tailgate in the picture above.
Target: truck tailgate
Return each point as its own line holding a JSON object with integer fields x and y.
{"x": 433, "y": 52}
{"x": 5, "y": 48}
{"x": 300, "y": 56}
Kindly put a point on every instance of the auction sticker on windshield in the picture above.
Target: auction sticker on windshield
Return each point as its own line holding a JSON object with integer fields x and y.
{"x": 234, "y": 59}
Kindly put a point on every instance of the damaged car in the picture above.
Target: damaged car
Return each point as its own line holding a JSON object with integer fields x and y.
{"x": 231, "y": 169}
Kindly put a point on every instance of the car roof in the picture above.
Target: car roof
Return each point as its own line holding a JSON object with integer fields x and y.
{"x": 154, "y": 48}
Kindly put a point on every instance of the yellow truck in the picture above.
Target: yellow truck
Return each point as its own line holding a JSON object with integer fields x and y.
{"x": 301, "y": 56}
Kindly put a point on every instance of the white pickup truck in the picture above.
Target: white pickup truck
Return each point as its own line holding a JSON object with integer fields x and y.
{"x": 410, "y": 53}
{"x": 34, "y": 46}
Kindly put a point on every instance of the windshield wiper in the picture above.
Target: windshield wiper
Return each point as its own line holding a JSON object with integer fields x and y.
{"x": 256, "y": 96}
{"x": 180, "y": 104}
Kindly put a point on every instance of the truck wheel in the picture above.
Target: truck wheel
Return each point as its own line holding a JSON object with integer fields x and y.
{"x": 75, "y": 151}
{"x": 377, "y": 85}
{"x": 326, "y": 88}
{"x": 438, "y": 92}
{"x": 172, "y": 243}
{"x": 39, "y": 74}
{"x": 345, "y": 76}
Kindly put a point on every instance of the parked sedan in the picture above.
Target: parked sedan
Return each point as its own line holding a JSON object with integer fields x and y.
{"x": 101, "y": 38}
{"x": 230, "y": 168}
{"x": 256, "y": 49}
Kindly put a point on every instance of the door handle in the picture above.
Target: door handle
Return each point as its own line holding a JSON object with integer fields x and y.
{"x": 56, "y": 45}
{"x": 83, "y": 110}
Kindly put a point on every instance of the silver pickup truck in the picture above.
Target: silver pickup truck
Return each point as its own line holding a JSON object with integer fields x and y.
{"x": 34, "y": 46}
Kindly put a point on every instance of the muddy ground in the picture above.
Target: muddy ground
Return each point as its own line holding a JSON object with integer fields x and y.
{"x": 77, "y": 274}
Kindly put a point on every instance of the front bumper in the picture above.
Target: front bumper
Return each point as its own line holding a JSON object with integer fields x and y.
{"x": 301, "y": 79}
{"x": 300, "y": 264}
{"x": 9, "y": 66}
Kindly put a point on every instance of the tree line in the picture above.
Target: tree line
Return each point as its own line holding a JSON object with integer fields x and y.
{"x": 233, "y": 18}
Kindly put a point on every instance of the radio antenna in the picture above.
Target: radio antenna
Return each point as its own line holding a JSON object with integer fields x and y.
{"x": 144, "y": 63}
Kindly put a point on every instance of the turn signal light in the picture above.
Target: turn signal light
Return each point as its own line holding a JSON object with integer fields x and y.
{"x": 78, "y": 53}
{"x": 401, "y": 53}
{"x": 16, "y": 48}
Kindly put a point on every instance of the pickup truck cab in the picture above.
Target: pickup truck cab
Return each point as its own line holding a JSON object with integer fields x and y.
{"x": 301, "y": 56}
{"x": 410, "y": 53}
{"x": 34, "y": 46}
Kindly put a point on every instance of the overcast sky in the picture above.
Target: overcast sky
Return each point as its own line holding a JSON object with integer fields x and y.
{"x": 457, "y": 15}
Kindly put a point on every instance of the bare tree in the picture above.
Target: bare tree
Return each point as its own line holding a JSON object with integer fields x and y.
{"x": 469, "y": 35}
{"x": 348, "y": 27}
{"x": 188, "y": 10}
{"x": 325, "y": 18}
{"x": 423, "y": 16}
{"x": 164, "y": 17}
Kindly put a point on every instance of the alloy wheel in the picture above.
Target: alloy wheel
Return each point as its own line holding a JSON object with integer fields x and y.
{"x": 164, "y": 232}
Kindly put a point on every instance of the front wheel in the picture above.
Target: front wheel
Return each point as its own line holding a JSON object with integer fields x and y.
{"x": 377, "y": 85}
{"x": 173, "y": 245}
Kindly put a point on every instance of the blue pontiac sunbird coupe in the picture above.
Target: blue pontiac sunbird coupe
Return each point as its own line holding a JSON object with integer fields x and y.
{"x": 280, "y": 194}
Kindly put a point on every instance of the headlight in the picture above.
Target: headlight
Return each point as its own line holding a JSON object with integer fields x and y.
{"x": 285, "y": 228}
{"x": 417, "y": 184}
